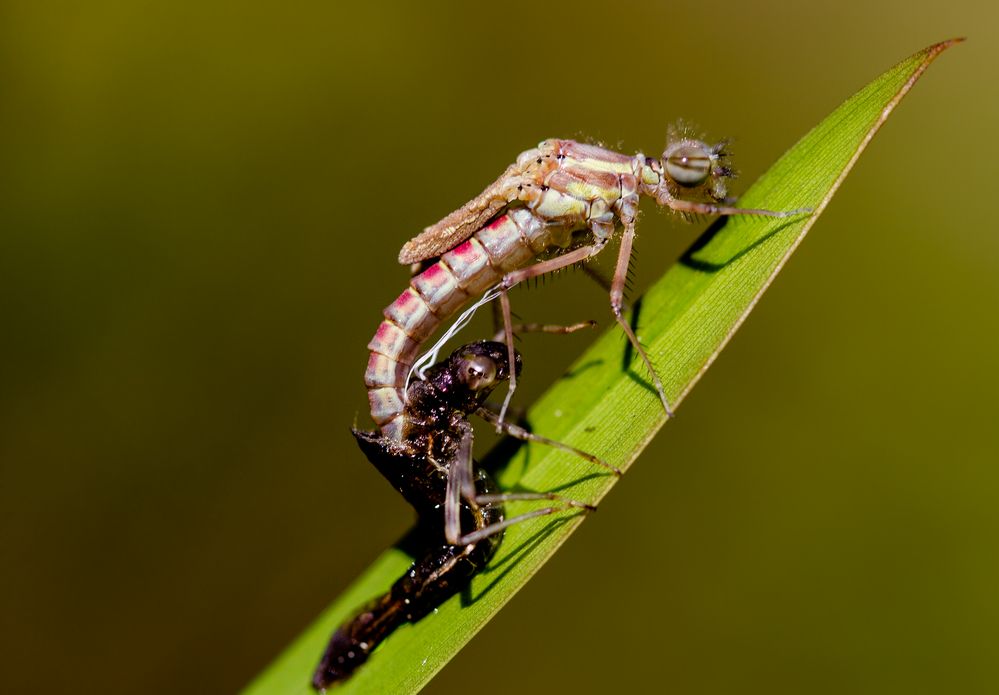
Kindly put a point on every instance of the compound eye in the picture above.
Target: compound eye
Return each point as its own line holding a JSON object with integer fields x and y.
{"x": 689, "y": 164}
{"x": 477, "y": 371}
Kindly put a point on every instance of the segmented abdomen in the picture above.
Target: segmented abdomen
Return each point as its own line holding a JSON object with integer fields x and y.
{"x": 436, "y": 294}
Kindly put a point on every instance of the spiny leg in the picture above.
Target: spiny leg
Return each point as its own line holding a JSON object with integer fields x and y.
{"x": 519, "y": 328}
{"x": 493, "y": 529}
{"x": 616, "y": 299}
{"x": 709, "y": 209}
{"x": 501, "y": 497}
{"x": 602, "y": 282}
{"x": 518, "y": 276}
{"x": 510, "y": 351}
{"x": 498, "y": 329}
{"x": 518, "y": 432}
{"x": 461, "y": 486}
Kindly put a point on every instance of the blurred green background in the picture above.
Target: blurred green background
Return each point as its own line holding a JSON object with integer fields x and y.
{"x": 200, "y": 209}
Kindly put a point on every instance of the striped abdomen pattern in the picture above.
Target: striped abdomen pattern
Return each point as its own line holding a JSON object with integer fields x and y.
{"x": 436, "y": 294}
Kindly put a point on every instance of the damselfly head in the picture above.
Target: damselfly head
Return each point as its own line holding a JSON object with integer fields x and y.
{"x": 694, "y": 170}
{"x": 688, "y": 162}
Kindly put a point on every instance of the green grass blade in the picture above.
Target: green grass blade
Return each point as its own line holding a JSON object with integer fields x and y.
{"x": 685, "y": 320}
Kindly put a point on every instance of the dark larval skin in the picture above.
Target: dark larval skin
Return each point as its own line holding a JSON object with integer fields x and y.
{"x": 436, "y": 421}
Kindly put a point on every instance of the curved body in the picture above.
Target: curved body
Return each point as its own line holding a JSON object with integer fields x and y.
{"x": 435, "y": 295}
{"x": 560, "y": 202}
{"x": 564, "y": 186}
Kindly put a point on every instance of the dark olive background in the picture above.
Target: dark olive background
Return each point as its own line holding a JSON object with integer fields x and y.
{"x": 200, "y": 209}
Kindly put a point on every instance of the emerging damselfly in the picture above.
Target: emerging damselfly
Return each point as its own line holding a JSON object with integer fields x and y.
{"x": 558, "y": 205}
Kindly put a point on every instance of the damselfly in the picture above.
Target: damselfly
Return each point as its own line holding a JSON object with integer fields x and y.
{"x": 558, "y": 205}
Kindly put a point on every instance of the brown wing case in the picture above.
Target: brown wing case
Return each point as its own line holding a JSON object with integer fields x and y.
{"x": 463, "y": 222}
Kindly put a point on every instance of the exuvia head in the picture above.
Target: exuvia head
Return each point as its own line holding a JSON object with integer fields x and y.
{"x": 693, "y": 170}
{"x": 478, "y": 372}
{"x": 467, "y": 377}
{"x": 483, "y": 365}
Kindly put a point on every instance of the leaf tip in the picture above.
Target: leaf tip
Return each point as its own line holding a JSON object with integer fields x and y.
{"x": 938, "y": 48}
